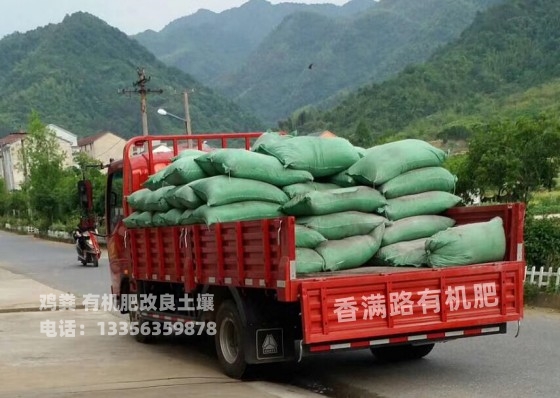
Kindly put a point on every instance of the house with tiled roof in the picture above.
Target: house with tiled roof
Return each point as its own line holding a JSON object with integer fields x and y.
{"x": 103, "y": 147}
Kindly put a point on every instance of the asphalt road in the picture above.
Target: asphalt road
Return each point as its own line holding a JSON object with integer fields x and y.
{"x": 490, "y": 366}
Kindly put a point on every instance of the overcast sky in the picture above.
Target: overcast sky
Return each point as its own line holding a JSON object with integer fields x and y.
{"x": 129, "y": 16}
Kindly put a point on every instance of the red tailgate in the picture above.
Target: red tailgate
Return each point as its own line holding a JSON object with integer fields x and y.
{"x": 419, "y": 300}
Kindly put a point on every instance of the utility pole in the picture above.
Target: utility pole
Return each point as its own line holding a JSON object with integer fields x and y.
{"x": 143, "y": 91}
{"x": 187, "y": 114}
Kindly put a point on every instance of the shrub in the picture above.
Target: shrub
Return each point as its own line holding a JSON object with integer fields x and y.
{"x": 542, "y": 241}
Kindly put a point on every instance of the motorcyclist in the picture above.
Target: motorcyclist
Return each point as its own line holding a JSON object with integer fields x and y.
{"x": 78, "y": 234}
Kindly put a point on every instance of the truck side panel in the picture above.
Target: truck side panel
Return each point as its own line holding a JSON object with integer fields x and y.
{"x": 157, "y": 254}
{"x": 241, "y": 254}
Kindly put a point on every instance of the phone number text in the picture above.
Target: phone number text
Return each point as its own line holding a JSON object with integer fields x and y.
{"x": 156, "y": 328}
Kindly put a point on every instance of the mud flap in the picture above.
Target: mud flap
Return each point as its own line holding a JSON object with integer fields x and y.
{"x": 268, "y": 338}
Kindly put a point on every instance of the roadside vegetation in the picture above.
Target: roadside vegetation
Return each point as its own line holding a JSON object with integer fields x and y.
{"x": 48, "y": 198}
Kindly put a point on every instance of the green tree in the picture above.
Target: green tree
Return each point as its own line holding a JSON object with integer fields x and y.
{"x": 43, "y": 159}
{"x": 18, "y": 204}
{"x": 511, "y": 159}
{"x": 362, "y": 136}
{"x": 4, "y": 198}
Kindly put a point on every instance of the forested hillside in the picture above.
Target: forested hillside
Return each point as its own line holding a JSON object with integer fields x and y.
{"x": 208, "y": 45}
{"x": 505, "y": 64}
{"x": 71, "y": 73}
{"x": 259, "y": 54}
{"x": 345, "y": 53}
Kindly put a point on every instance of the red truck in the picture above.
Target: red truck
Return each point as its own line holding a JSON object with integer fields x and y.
{"x": 237, "y": 281}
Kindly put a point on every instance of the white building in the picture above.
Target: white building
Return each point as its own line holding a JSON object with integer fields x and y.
{"x": 12, "y": 170}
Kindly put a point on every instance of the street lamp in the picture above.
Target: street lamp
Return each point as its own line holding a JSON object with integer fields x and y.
{"x": 163, "y": 112}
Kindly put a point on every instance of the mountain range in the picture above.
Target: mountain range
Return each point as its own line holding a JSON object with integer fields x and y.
{"x": 505, "y": 64}
{"x": 71, "y": 74}
{"x": 390, "y": 68}
{"x": 274, "y": 59}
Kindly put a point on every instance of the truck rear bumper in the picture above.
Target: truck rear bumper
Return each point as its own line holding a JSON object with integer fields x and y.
{"x": 414, "y": 339}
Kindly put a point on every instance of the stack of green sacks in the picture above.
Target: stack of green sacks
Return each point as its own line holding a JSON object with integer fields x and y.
{"x": 410, "y": 175}
{"x": 336, "y": 225}
{"x": 353, "y": 206}
{"x": 167, "y": 199}
{"x": 348, "y": 232}
{"x": 214, "y": 187}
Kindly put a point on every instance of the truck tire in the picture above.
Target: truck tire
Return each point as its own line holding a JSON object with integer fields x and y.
{"x": 145, "y": 338}
{"x": 401, "y": 352}
{"x": 229, "y": 340}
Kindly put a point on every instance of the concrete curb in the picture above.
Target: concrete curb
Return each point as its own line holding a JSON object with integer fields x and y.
{"x": 34, "y": 309}
{"x": 61, "y": 240}
{"x": 544, "y": 300}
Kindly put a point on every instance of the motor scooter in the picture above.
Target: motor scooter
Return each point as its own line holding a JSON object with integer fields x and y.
{"x": 87, "y": 246}
{"x": 85, "y": 234}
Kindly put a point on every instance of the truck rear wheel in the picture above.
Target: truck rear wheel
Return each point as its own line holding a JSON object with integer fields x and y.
{"x": 229, "y": 340}
{"x": 141, "y": 336}
{"x": 401, "y": 352}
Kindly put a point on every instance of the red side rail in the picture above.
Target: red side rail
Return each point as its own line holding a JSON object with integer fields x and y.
{"x": 242, "y": 254}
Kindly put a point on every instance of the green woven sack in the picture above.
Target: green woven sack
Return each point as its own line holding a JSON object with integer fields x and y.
{"x": 188, "y": 153}
{"x": 342, "y": 225}
{"x": 241, "y": 163}
{"x": 188, "y": 218}
{"x": 156, "y": 180}
{"x": 158, "y": 219}
{"x": 172, "y": 217}
{"x": 322, "y": 157}
{"x": 182, "y": 171}
{"x": 205, "y": 162}
{"x": 268, "y": 138}
{"x": 363, "y": 199}
{"x": 420, "y": 180}
{"x": 307, "y": 237}
{"x": 138, "y": 200}
{"x": 170, "y": 198}
{"x": 415, "y": 227}
{"x": 350, "y": 252}
{"x": 343, "y": 180}
{"x": 156, "y": 202}
{"x": 425, "y": 203}
{"x": 185, "y": 197}
{"x": 308, "y": 261}
{"x": 361, "y": 151}
{"x": 383, "y": 162}
{"x": 475, "y": 243}
{"x": 302, "y": 188}
{"x": 138, "y": 220}
{"x": 167, "y": 219}
{"x": 402, "y": 254}
{"x": 239, "y": 211}
{"x": 223, "y": 190}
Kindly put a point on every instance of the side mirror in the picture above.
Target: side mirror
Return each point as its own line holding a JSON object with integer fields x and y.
{"x": 113, "y": 199}
{"x": 85, "y": 195}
